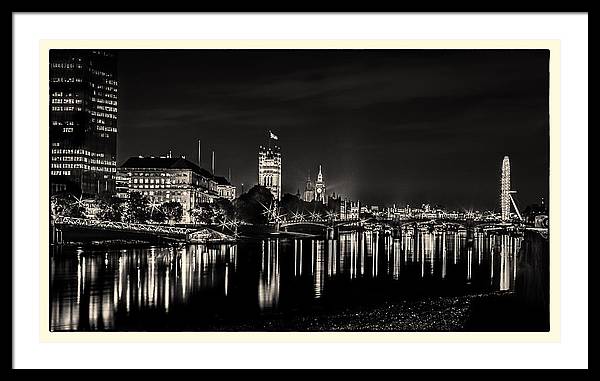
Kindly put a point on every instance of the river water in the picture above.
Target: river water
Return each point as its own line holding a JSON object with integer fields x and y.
{"x": 203, "y": 288}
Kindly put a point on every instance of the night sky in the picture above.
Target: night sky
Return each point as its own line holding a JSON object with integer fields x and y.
{"x": 388, "y": 126}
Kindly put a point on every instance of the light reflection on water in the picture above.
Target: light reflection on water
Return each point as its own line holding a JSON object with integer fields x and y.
{"x": 268, "y": 285}
{"x": 110, "y": 290}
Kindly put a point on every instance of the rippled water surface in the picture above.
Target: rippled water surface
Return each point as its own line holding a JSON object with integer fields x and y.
{"x": 198, "y": 287}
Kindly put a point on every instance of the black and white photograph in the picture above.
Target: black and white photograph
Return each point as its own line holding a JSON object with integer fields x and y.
{"x": 250, "y": 191}
{"x": 299, "y": 190}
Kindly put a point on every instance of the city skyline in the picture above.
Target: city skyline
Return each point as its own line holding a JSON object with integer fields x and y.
{"x": 388, "y": 127}
{"x": 352, "y": 228}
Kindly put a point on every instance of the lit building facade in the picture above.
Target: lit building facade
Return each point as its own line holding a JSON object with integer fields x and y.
{"x": 122, "y": 184}
{"x": 164, "y": 179}
{"x": 269, "y": 166}
{"x": 83, "y": 121}
{"x": 224, "y": 188}
{"x": 349, "y": 210}
{"x": 505, "y": 190}
{"x": 309, "y": 191}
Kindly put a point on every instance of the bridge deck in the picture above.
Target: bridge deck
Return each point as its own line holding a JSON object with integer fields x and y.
{"x": 173, "y": 231}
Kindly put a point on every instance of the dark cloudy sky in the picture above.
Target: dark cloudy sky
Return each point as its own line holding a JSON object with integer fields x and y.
{"x": 388, "y": 126}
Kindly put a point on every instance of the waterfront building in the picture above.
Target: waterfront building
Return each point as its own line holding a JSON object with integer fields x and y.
{"x": 224, "y": 188}
{"x": 334, "y": 204}
{"x": 309, "y": 190}
{"x": 343, "y": 210}
{"x": 378, "y": 211}
{"x": 269, "y": 166}
{"x": 121, "y": 184}
{"x": 451, "y": 215}
{"x": 164, "y": 179}
{"x": 320, "y": 190}
{"x": 349, "y": 210}
{"x": 83, "y": 121}
{"x": 354, "y": 211}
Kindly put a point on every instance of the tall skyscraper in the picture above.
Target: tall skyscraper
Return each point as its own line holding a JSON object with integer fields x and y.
{"x": 269, "y": 166}
{"x": 83, "y": 121}
{"x": 505, "y": 190}
{"x": 320, "y": 188}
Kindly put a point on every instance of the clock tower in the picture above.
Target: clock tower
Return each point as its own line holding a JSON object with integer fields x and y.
{"x": 320, "y": 188}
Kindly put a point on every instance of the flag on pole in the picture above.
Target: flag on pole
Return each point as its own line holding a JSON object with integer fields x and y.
{"x": 273, "y": 136}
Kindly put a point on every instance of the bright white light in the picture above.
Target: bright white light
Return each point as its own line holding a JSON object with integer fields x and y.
{"x": 505, "y": 190}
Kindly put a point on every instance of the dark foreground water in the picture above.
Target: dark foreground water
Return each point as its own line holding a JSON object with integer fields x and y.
{"x": 302, "y": 284}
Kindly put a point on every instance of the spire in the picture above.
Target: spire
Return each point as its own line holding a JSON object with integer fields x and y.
{"x": 320, "y": 175}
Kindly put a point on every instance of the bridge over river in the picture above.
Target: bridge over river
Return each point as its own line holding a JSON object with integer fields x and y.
{"x": 328, "y": 227}
{"x": 332, "y": 226}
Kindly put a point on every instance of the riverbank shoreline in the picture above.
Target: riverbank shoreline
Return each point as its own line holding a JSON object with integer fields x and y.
{"x": 90, "y": 237}
{"x": 466, "y": 313}
{"x": 499, "y": 311}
